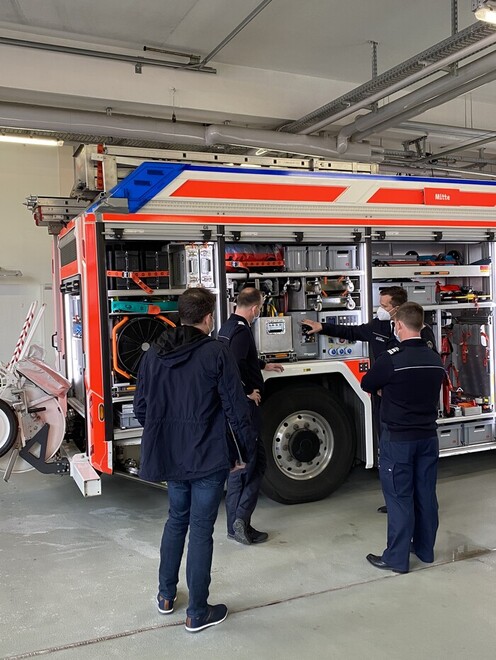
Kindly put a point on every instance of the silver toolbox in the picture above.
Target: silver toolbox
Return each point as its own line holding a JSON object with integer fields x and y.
{"x": 295, "y": 258}
{"x": 342, "y": 258}
{"x": 184, "y": 264}
{"x": 273, "y": 334}
{"x": 475, "y": 433}
{"x": 207, "y": 276}
{"x": 305, "y": 346}
{"x": 317, "y": 258}
{"x": 449, "y": 436}
{"x": 423, "y": 293}
{"x": 333, "y": 348}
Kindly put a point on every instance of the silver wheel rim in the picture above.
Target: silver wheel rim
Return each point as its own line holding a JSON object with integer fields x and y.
{"x": 303, "y": 445}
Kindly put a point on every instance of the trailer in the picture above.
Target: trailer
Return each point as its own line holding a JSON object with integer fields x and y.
{"x": 319, "y": 244}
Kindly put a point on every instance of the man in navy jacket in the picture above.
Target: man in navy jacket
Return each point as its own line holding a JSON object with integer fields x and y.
{"x": 408, "y": 377}
{"x": 188, "y": 391}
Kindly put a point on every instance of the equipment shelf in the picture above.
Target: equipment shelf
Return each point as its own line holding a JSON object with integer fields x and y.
{"x": 448, "y": 270}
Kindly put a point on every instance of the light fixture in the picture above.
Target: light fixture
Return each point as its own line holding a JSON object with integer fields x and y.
{"x": 485, "y": 10}
{"x": 26, "y": 139}
{"x": 4, "y": 272}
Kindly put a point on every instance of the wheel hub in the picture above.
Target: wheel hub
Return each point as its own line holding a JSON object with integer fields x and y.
{"x": 303, "y": 445}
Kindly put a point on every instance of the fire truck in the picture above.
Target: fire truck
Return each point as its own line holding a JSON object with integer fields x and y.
{"x": 318, "y": 242}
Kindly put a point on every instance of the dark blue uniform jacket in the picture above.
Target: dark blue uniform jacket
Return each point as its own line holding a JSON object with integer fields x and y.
{"x": 188, "y": 389}
{"x": 378, "y": 333}
{"x": 410, "y": 377}
{"x": 237, "y": 334}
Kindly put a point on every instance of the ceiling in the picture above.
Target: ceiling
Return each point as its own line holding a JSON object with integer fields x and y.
{"x": 292, "y": 58}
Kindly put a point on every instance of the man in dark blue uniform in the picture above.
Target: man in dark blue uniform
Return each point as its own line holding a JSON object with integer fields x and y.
{"x": 409, "y": 378}
{"x": 188, "y": 387}
{"x": 380, "y": 335}
{"x": 380, "y": 332}
{"x": 243, "y": 486}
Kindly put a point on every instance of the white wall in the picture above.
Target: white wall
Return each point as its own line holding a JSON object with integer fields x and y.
{"x": 26, "y": 170}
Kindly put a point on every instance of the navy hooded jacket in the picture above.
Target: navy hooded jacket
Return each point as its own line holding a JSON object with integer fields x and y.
{"x": 188, "y": 388}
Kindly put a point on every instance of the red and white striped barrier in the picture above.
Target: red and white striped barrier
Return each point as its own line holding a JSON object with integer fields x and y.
{"x": 27, "y": 332}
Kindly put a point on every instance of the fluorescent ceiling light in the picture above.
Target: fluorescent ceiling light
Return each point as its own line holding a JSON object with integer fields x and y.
{"x": 26, "y": 139}
{"x": 484, "y": 10}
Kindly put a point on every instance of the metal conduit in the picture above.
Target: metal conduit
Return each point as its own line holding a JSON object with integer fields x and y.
{"x": 430, "y": 96}
{"x": 472, "y": 39}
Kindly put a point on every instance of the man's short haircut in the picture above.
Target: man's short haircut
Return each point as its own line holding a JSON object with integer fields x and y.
{"x": 249, "y": 296}
{"x": 398, "y": 294}
{"x": 412, "y": 315}
{"x": 194, "y": 304}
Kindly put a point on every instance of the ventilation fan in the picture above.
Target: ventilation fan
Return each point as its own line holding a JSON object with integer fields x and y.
{"x": 132, "y": 337}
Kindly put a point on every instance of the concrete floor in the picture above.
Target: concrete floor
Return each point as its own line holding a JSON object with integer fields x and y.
{"x": 78, "y": 577}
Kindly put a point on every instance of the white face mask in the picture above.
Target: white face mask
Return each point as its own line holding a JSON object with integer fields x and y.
{"x": 383, "y": 315}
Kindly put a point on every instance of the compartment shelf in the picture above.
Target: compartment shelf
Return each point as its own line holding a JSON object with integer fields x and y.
{"x": 402, "y": 272}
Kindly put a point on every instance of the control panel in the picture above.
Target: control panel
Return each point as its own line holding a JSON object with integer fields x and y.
{"x": 334, "y": 348}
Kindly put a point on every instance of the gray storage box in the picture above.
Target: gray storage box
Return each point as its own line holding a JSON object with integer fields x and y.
{"x": 317, "y": 258}
{"x": 476, "y": 433}
{"x": 423, "y": 293}
{"x": 341, "y": 259}
{"x": 295, "y": 258}
{"x": 449, "y": 436}
{"x": 127, "y": 420}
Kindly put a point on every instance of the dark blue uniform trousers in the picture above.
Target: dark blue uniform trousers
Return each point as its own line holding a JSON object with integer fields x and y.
{"x": 408, "y": 472}
{"x": 243, "y": 486}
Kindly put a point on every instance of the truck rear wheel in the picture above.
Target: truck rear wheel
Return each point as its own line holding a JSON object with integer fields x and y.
{"x": 309, "y": 444}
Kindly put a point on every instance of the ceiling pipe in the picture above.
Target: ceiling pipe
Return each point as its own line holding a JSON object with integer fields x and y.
{"x": 434, "y": 102}
{"x": 455, "y": 47}
{"x": 105, "y": 55}
{"x": 402, "y": 84}
{"x": 471, "y": 144}
{"x": 59, "y": 120}
{"x": 234, "y": 32}
{"x": 302, "y": 145}
{"x": 442, "y": 130}
{"x": 408, "y": 106}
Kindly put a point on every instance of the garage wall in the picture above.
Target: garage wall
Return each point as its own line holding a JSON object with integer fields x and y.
{"x": 26, "y": 170}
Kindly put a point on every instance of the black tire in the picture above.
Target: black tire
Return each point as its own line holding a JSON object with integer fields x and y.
{"x": 9, "y": 426}
{"x": 313, "y": 457}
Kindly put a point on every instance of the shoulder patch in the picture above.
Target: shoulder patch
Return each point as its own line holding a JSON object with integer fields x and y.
{"x": 394, "y": 350}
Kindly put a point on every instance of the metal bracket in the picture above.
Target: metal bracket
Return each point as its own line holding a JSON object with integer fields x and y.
{"x": 298, "y": 236}
{"x": 60, "y": 466}
{"x": 236, "y": 236}
{"x": 490, "y": 236}
{"x": 357, "y": 236}
{"x": 438, "y": 236}
{"x": 118, "y": 233}
{"x": 207, "y": 235}
{"x": 381, "y": 235}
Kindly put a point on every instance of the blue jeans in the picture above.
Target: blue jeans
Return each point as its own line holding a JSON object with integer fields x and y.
{"x": 192, "y": 504}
